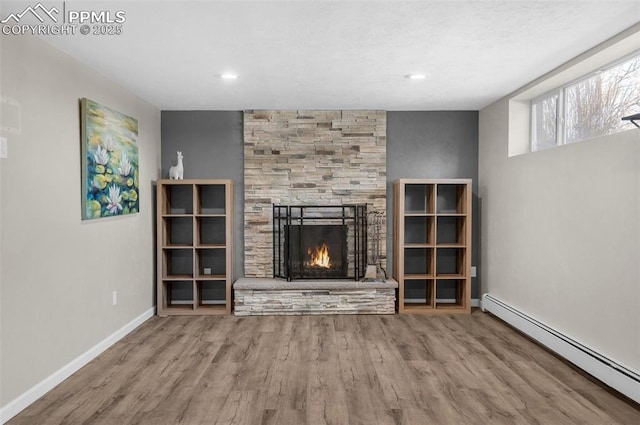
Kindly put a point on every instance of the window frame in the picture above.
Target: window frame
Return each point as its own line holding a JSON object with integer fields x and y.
{"x": 561, "y": 93}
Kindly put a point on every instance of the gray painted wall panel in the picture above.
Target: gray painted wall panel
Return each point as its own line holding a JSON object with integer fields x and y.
{"x": 212, "y": 145}
{"x": 434, "y": 144}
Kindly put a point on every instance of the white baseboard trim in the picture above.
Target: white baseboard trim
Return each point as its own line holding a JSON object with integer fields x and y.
{"x": 617, "y": 376}
{"x": 31, "y": 395}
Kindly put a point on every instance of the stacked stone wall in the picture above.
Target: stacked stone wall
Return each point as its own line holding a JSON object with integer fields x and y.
{"x": 297, "y": 157}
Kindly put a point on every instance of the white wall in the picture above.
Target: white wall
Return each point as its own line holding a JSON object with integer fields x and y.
{"x": 561, "y": 234}
{"x": 58, "y": 272}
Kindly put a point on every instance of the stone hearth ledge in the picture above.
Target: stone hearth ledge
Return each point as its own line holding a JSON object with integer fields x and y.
{"x": 271, "y": 296}
{"x": 258, "y": 283}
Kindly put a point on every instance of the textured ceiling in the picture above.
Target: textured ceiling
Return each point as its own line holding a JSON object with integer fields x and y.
{"x": 342, "y": 54}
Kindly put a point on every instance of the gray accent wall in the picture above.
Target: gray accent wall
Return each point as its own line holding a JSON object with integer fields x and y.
{"x": 433, "y": 145}
{"x": 423, "y": 144}
{"x": 212, "y": 145}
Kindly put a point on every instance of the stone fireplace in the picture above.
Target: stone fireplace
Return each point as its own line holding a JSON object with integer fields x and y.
{"x": 308, "y": 158}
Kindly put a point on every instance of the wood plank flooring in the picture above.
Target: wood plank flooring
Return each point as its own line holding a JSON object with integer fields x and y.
{"x": 281, "y": 370}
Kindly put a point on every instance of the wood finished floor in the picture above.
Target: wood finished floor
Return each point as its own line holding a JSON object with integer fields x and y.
{"x": 402, "y": 369}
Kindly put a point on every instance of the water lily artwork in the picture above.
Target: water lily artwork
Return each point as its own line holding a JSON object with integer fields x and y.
{"x": 110, "y": 183}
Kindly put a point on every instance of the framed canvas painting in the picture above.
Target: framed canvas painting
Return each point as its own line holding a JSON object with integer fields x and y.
{"x": 110, "y": 185}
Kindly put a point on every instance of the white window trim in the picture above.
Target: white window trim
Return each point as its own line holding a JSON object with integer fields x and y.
{"x": 561, "y": 92}
{"x": 518, "y": 102}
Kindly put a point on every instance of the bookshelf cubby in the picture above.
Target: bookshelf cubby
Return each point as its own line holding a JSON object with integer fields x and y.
{"x": 432, "y": 245}
{"x": 194, "y": 234}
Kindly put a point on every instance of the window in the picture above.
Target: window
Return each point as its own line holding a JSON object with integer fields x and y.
{"x": 545, "y": 122}
{"x": 590, "y": 107}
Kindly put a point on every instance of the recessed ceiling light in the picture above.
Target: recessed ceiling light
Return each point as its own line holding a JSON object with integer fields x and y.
{"x": 229, "y": 76}
{"x": 416, "y": 76}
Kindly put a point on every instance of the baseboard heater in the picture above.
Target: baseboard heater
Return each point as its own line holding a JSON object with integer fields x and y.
{"x": 613, "y": 374}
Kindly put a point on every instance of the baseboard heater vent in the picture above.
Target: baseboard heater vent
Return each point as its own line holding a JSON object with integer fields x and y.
{"x": 613, "y": 374}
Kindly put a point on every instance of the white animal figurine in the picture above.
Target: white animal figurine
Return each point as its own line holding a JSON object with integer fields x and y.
{"x": 176, "y": 172}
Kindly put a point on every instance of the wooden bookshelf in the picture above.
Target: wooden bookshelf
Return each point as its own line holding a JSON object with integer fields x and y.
{"x": 432, "y": 245}
{"x": 194, "y": 246}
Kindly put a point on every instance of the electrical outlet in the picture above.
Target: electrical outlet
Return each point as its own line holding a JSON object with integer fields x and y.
{"x": 4, "y": 150}
{"x": 115, "y": 298}
{"x": 474, "y": 271}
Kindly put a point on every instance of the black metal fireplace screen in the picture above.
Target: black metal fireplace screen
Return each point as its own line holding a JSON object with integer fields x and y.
{"x": 319, "y": 242}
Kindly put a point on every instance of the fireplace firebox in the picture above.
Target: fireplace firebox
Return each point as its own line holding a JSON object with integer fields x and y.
{"x": 319, "y": 242}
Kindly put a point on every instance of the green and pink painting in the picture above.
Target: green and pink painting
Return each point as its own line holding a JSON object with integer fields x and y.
{"x": 110, "y": 182}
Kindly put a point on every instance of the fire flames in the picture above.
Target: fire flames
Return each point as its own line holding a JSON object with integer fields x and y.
{"x": 319, "y": 257}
